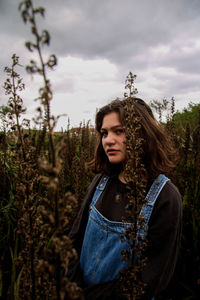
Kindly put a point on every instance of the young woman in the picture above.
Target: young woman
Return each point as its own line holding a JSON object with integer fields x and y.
{"x": 97, "y": 229}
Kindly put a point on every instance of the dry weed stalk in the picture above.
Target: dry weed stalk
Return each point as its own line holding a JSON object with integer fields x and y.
{"x": 136, "y": 176}
{"x": 28, "y": 13}
{"x": 39, "y": 270}
{"x": 12, "y": 86}
{"x": 24, "y": 182}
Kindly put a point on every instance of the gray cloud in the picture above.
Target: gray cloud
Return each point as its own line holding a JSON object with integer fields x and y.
{"x": 186, "y": 62}
{"x": 127, "y": 33}
{"x": 118, "y": 31}
{"x": 109, "y": 29}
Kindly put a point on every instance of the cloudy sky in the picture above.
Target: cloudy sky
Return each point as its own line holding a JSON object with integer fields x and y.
{"x": 97, "y": 43}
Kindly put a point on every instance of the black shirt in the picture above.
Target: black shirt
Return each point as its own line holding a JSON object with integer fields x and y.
{"x": 112, "y": 202}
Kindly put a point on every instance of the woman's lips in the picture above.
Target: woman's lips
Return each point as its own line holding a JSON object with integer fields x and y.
{"x": 112, "y": 151}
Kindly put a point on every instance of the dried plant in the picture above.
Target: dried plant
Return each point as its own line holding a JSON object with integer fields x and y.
{"x": 51, "y": 249}
{"x": 12, "y": 86}
{"x": 28, "y": 13}
{"x": 42, "y": 249}
{"x": 136, "y": 176}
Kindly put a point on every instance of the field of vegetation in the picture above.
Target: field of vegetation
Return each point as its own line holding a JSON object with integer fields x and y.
{"x": 43, "y": 181}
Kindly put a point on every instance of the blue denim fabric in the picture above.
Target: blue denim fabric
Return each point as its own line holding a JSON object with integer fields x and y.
{"x": 150, "y": 198}
{"x": 101, "y": 251}
{"x": 100, "y": 258}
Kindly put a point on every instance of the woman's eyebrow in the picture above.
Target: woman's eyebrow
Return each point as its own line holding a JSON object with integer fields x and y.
{"x": 113, "y": 127}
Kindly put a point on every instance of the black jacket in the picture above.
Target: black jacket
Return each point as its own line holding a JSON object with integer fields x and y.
{"x": 163, "y": 244}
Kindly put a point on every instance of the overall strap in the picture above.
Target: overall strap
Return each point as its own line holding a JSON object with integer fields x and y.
{"x": 151, "y": 198}
{"x": 99, "y": 189}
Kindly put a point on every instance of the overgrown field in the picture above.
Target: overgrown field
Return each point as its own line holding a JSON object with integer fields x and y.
{"x": 44, "y": 179}
{"x": 39, "y": 202}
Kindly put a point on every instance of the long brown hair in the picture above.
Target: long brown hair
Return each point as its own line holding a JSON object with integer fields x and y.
{"x": 159, "y": 155}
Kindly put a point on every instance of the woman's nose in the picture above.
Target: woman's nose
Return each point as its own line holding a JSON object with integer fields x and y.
{"x": 110, "y": 139}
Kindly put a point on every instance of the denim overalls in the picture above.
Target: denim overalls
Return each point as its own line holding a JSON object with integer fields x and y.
{"x": 100, "y": 258}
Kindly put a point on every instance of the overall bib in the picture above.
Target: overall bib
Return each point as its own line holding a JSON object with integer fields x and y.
{"x": 101, "y": 258}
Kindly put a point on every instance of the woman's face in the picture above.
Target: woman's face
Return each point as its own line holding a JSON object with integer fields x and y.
{"x": 113, "y": 138}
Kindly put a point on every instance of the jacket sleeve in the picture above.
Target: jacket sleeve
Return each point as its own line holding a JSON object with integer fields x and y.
{"x": 164, "y": 235}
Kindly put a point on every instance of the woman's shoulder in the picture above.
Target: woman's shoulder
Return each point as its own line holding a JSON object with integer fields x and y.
{"x": 169, "y": 200}
{"x": 170, "y": 191}
{"x": 167, "y": 211}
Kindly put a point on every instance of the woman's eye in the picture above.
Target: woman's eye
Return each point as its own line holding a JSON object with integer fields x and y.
{"x": 119, "y": 131}
{"x": 103, "y": 133}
